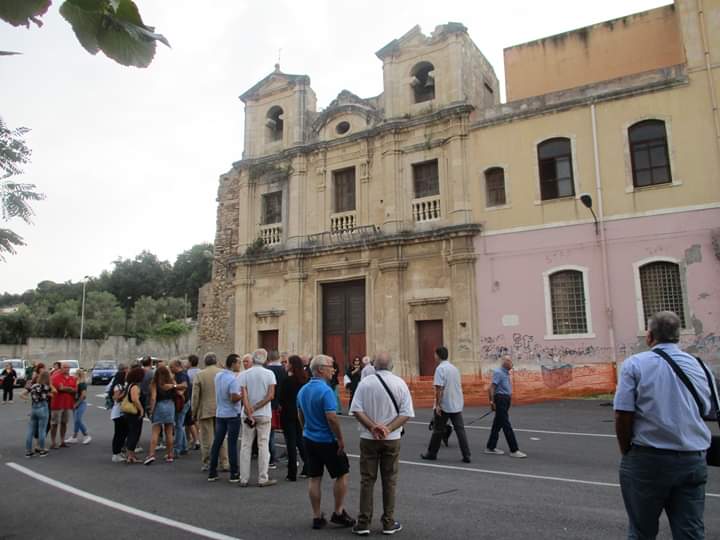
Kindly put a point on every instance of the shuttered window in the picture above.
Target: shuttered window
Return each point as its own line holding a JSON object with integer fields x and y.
{"x": 425, "y": 179}
{"x": 495, "y": 187}
{"x": 272, "y": 207}
{"x": 344, "y": 180}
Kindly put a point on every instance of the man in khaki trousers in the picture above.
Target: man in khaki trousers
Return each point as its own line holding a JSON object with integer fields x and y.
{"x": 203, "y": 410}
{"x": 382, "y": 404}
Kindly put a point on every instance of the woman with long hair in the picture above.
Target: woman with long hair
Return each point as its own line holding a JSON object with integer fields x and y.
{"x": 287, "y": 399}
{"x": 79, "y": 411}
{"x": 117, "y": 390}
{"x": 162, "y": 410}
{"x": 39, "y": 393}
{"x": 134, "y": 421}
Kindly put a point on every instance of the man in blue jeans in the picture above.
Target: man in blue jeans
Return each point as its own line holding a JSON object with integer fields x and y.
{"x": 662, "y": 435}
{"x": 227, "y": 417}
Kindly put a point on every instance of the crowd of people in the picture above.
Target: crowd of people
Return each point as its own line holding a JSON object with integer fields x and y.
{"x": 659, "y": 423}
{"x": 56, "y": 400}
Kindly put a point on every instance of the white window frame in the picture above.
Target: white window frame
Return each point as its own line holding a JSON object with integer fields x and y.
{"x": 575, "y": 170}
{"x": 548, "y": 303}
{"x": 640, "y": 310}
{"x": 629, "y": 185}
{"x": 483, "y": 182}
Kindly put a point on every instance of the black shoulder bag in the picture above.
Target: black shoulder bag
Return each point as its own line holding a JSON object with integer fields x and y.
{"x": 397, "y": 409}
{"x": 712, "y": 455}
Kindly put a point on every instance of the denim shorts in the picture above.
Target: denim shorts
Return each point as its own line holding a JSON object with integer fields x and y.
{"x": 164, "y": 412}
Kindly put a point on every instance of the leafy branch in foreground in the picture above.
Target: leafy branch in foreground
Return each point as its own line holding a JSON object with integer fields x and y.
{"x": 114, "y": 27}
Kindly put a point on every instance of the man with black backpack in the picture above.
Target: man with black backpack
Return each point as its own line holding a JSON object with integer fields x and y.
{"x": 661, "y": 398}
{"x": 382, "y": 404}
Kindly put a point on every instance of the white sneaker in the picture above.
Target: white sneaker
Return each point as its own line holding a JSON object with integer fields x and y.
{"x": 71, "y": 440}
{"x": 518, "y": 454}
{"x": 160, "y": 446}
{"x": 86, "y": 439}
{"x": 495, "y": 451}
{"x": 117, "y": 458}
{"x": 139, "y": 450}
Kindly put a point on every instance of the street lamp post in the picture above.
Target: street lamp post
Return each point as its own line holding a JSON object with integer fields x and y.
{"x": 127, "y": 314}
{"x": 82, "y": 320}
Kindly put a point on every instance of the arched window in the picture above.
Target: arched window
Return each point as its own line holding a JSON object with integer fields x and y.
{"x": 568, "y": 303}
{"x": 423, "y": 82}
{"x": 649, "y": 153}
{"x": 495, "y": 187}
{"x": 556, "y": 170}
{"x": 275, "y": 124}
{"x": 661, "y": 289}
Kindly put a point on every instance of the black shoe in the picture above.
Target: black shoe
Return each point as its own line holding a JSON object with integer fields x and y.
{"x": 213, "y": 478}
{"x": 428, "y": 457}
{"x": 342, "y": 519}
{"x": 304, "y": 474}
{"x": 466, "y": 460}
{"x": 320, "y": 523}
{"x": 290, "y": 479}
{"x": 234, "y": 478}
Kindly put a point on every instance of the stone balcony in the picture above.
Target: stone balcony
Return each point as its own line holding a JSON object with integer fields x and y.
{"x": 343, "y": 221}
{"x": 271, "y": 234}
{"x": 426, "y": 209}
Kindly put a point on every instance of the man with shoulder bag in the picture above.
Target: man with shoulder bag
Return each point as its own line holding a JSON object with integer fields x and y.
{"x": 382, "y": 404}
{"x": 660, "y": 402}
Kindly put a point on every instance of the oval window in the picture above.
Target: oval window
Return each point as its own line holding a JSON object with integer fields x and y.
{"x": 342, "y": 128}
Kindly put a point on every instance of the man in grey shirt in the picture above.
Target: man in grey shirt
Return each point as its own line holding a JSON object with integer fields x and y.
{"x": 448, "y": 406}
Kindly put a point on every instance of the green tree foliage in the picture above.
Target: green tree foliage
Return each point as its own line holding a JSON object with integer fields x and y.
{"x": 192, "y": 270}
{"x": 114, "y": 27}
{"x": 145, "y": 275}
{"x": 15, "y": 197}
{"x": 103, "y": 316}
{"x": 17, "y": 327}
{"x": 149, "y": 314}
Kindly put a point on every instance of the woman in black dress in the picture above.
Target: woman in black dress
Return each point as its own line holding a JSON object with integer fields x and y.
{"x": 287, "y": 399}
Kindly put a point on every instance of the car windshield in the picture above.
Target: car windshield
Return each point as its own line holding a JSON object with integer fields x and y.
{"x": 16, "y": 364}
{"x": 72, "y": 363}
{"x": 105, "y": 365}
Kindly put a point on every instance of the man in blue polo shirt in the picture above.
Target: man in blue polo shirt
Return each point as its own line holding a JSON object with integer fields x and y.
{"x": 324, "y": 443}
{"x": 662, "y": 435}
{"x": 500, "y": 394}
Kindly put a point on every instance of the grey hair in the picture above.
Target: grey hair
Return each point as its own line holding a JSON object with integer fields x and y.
{"x": 273, "y": 356}
{"x": 383, "y": 361}
{"x": 665, "y": 327}
{"x": 259, "y": 356}
{"x": 210, "y": 359}
{"x": 317, "y": 362}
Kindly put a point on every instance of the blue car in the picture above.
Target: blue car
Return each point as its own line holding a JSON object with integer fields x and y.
{"x": 103, "y": 372}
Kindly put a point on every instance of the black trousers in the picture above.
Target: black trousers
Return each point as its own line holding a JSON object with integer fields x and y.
{"x": 134, "y": 430}
{"x": 502, "y": 421}
{"x": 292, "y": 430}
{"x": 120, "y": 434}
{"x": 439, "y": 423}
{"x": 7, "y": 393}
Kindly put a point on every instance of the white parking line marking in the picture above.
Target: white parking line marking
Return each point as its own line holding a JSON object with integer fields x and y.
{"x": 99, "y": 407}
{"x": 487, "y": 428}
{"x": 205, "y": 533}
{"x": 100, "y": 395}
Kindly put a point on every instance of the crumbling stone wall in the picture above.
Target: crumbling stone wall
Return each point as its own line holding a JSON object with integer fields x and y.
{"x": 216, "y": 313}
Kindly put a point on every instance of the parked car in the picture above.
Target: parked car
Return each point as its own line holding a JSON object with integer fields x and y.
{"x": 74, "y": 366}
{"x": 103, "y": 371}
{"x": 20, "y": 367}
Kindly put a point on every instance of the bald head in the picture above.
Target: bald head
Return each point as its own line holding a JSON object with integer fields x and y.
{"x": 383, "y": 361}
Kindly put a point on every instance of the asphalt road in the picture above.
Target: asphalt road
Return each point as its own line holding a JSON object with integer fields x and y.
{"x": 566, "y": 489}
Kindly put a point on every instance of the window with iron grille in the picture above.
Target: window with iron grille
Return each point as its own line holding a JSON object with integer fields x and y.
{"x": 272, "y": 207}
{"x": 344, "y": 180}
{"x": 567, "y": 302}
{"x": 495, "y": 186}
{"x": 649, "y": 153}
{"x": 425, "y": 179}
{"x": 555, "y": 164}
{"x": 661, "y": 289}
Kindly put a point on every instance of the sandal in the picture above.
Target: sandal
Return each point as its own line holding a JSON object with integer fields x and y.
{"x": 169, "y": 459}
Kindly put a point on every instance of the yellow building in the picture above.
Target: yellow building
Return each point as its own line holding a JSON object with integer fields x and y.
{"x": 433, "y": 213}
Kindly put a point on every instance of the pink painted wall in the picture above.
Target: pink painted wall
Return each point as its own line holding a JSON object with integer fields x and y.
{"x": 510, "y": 282}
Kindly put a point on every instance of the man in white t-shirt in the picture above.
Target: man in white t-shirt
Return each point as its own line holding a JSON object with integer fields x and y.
{"x": 448, "y": 405}
{"x": 258, "y": 389}
{"x": 382, "y": 404}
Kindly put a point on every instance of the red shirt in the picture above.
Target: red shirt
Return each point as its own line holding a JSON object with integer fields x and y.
{"x": 62, "y": 400}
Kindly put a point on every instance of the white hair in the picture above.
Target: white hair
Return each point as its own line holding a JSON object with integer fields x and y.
{"x": 317, "y": 362}
{"x": 259, "y": 356}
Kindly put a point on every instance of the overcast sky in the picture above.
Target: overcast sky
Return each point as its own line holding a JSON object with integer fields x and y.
{"x": 129, "y": 158}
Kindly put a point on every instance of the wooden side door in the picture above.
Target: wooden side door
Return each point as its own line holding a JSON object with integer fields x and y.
{"x": 429, "y": 338}
{"x": 268, "y": 340}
